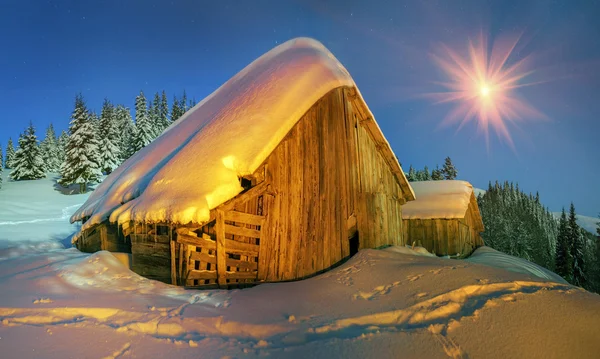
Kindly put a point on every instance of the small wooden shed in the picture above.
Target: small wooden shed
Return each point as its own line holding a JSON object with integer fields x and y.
{"x": 444, "y": 219}
{"x": 330, "y": 186}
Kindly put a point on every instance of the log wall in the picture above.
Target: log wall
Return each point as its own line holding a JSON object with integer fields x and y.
{"x": 326, "y": 180}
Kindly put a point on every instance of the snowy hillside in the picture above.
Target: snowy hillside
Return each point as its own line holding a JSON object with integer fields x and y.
{"x": 585, "y": 222}
{"x": 397, "y": 302}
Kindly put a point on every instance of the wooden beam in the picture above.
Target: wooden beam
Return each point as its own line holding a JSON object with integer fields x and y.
{"x": 242, "y": 231}
{"x": 245, "y": 196}
{"x": 242, "y": 217}
{"x": 201, "y": 274}
{"x": 181, "y": 255}
{"x": 221, "y": 255}
{"x": 245, "y": 265}
{"x": 196, "y": 241}
{"x": 242, "y": 275}
{"x": 173, "y": 264}
{"x": 241, "y": 248}
{"x": 203, "y": 257}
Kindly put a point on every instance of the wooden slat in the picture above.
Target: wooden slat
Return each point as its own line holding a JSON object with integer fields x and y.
{"x": 196, "y": 241}
{"x": 201, "y": 275}
{"x": 221, "y": 244}
{"x": 189, "y": 266}
{"x": 243, "y": 265}
{"x": 243, "y": 197}
{"x": 181, "y": 255}
{"x": 173, "y": 264}
{"x": 236, "y": 216}
{"x": 203, "y": 257}
{"x": 241, "y": 275}
{"x": 232, "y": 246}
{"x": 242, "y": 231}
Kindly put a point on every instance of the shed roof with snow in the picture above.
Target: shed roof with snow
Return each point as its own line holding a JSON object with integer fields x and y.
{"x": 444, "y": 218}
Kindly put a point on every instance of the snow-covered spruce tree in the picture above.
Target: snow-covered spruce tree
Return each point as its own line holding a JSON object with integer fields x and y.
{"x": 49, "y": 147}
{"x": 163, "y": 110}
{"x": 577, "y": 248}
{"x": 10, "y": 154}
{"x": 436, "y": 174}
{"x": 412, "y": 174}
{"x": 1, "y": 165}
{"x": 28, "y": 163}
{"x": 144, "y": 134}
{"x": 564, "y": 266}
{"x": 183, "y": 103}
{"x": 155, "y": 116}
{"x": 110, "y": 156}
{"x": 426, "y": 175}
{"x": 449, "y": 171}
{"x": 126, "y": 130}
{"x": 176, "y": 110}
{"x": 153, "y": 120}
{"x": 82, "y": 160}
{"x": 61, "y": 146}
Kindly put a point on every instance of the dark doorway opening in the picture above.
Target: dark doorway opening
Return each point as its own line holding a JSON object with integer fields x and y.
{"x": 354, "y": 244}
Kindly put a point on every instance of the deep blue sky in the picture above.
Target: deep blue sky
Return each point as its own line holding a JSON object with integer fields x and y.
{"x": 51, "y": 50}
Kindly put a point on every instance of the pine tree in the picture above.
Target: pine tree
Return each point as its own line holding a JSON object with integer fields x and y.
{"x": 163, "y": 110}
{"x": 412, "y": 174}
{"x": 28, "y": 162}
{"x": 577, "y": 249}
{"x": 176, "y": 110}
{"x": 82, "y": 162}
{"x": 110, "y": 156}
{"x": 436, "y": 174}
{"x": 50, "y": 151}
{"x": 143, "y": 133}
{"x": 1, "y": 165}
{"x": 563, "y": 254}
{"x": 153, "y": 120}
{"x": 10, "y": 154}
{"x": 183, "y": 104}
{"x": 61, "y": 146}
{"x": 126, "y": 131}
{"x": 426, "y": 174}
{"x": 155, "y": 115}
{"x": 449, "y": 171}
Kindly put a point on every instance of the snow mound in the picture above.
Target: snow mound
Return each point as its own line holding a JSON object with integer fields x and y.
{"x": 416, "y": 251}
{"x": 194, "y": 165}
{"x": 438, "y": 199}
{"x": 493, "y": 258}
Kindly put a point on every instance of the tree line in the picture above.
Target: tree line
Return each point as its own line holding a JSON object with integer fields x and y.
{"x": 518, "y": 224}
{"x": 447, "y": 172}
{"x": 94, "y": 144}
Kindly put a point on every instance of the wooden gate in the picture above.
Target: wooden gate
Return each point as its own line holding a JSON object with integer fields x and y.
{"x": 224, "y": 253}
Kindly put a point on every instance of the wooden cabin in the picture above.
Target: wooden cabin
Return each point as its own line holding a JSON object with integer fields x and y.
{"x": 326, "y": 187}
{"x": 331, "y": 187}
{"x": 444, "y": 219}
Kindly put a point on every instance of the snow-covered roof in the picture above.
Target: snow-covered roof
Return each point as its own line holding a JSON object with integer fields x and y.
{"x": 194, "y": 165}
{"x": 438, "y": 199}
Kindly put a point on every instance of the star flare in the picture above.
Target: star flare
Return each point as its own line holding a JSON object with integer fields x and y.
{"x": 482, "y": 84}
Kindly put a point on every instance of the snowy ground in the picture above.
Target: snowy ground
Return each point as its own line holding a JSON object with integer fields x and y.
{"x": 60, "y": 303}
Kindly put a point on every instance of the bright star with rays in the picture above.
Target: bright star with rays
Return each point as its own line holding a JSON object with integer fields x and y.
{"x": 482, "y": 85}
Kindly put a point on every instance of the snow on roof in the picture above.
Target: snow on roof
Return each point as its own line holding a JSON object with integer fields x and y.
{"x": 194, "y": 165}
{"x": 438, "y": 199}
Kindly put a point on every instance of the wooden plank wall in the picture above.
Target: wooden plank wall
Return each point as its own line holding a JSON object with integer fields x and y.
{"x": 150, "y": 253}
{"x": 305, "y": 229}
{"x": 442, "y": 236}
{"x": 379, "y": 204}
